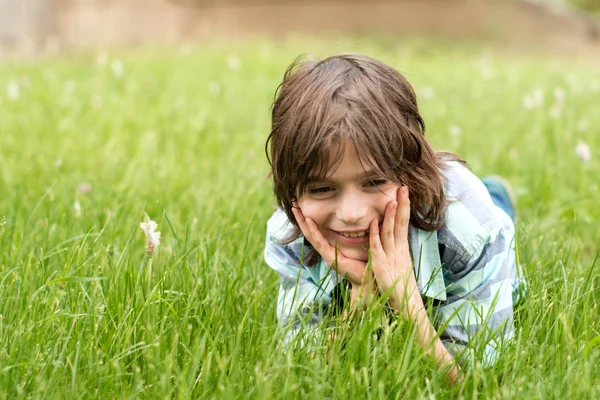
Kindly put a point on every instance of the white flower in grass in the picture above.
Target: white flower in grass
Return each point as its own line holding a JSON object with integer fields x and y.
{"x": 583, "y": 151}
{"x": 555, "y": 111}
{"x": 84, "y": 188}
{"x": 233, "y": 62}
{"x": 13, "y": 91}
{"x": 487, "y": 74}
{"x": 486, "y": 70}
{"x": 455, "y": 133}
{"x": 214, "y": 88}
{"x": 152, "y": 237}
{"x": 455, "y": 130}
{"x": 559, "y": 95}
{"x": 534, "y": 99}
{"x": 426, "y": 92}
{"x": 77, "y": 208}
{"x": 2, "y": 223}
{"x": 70, "y": 86}
{"x": 117, "y": 68}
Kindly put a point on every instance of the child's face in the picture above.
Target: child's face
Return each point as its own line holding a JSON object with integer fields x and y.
{"x": 344, "y": 204}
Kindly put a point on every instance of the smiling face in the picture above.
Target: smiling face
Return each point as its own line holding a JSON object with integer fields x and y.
{"x": 344, "y": 203}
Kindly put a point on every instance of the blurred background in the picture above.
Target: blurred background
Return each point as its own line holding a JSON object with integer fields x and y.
{"x": 54, "y": 25}
{"x": 110, "y": 109}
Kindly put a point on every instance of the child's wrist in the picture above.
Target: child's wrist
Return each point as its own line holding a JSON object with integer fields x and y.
{"x": 361, "y": 294}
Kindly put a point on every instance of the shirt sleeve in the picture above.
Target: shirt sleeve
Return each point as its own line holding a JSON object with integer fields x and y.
{"x": 477, "y": 250}
{"x": 304, "y": 291}
{"x": 477, "y": 317}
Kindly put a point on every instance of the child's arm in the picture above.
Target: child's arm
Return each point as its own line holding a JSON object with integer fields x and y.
{"x": 479, "y": 270}
{"x": 393, "y": 270}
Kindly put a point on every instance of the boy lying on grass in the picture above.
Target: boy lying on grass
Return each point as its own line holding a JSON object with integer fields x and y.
{"x": 364, "y": 199}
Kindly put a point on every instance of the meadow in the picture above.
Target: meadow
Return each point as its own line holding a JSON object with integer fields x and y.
{"x": 91, "y": 141}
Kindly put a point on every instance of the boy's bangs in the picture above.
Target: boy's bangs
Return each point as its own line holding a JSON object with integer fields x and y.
{"x": 371, "y": 145}
{"x": 376, "y": 164}
{"x": 322, "y": 159}
{"x": 370, "y": 159}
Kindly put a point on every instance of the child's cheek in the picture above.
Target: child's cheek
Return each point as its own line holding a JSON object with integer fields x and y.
{"x": 312, "y": 209}
{"x": 388, "y": 194}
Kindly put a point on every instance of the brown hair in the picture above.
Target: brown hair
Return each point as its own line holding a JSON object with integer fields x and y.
{"x": 353, "y": 98}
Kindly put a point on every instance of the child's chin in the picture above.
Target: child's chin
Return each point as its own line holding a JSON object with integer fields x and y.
{"x": 356, "y": 253}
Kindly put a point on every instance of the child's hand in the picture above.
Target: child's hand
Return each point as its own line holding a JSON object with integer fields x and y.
{"x": 390, "y": 252}
{"x": 354, "y": 270}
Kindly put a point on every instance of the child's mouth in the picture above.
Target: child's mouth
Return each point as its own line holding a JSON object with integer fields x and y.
{"x": 354, "y": 234}
{"x": 355, "y": 238}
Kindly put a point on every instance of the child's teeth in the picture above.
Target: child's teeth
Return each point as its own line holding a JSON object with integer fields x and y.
{"x": 354, "y": 235}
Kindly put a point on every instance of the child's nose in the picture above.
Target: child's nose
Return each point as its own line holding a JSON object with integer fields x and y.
{"x": 352, "y": 211}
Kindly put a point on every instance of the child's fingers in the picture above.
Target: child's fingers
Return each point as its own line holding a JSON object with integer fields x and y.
{"x": 380, "y": 261}
{"x": 387, "y": 229}
{"x": 377, "y": 252}
{"x": 354, "y": 270}
{"x": 402, "y": 218}
{"x": 319, "y": 242}
{"x": 301, "y": 221}
{"x": 312, "y": 233}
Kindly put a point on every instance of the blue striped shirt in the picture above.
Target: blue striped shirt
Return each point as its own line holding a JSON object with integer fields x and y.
{"x": 468, "y": 267}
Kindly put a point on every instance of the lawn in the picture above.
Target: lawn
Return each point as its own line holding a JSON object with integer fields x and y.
{"x": 91, "y": 141}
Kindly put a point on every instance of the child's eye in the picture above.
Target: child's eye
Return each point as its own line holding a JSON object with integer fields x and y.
{"x": 376, "y": 182}
{"x": 320, "y": 190}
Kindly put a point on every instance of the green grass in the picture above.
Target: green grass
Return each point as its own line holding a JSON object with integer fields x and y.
{"x": 180, "y": 135}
